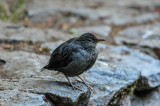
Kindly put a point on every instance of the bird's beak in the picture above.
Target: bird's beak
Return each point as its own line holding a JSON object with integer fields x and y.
{"x": 99, "y": 40}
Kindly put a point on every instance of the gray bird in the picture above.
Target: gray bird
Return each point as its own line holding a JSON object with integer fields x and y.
{"x": 74, "y": 56}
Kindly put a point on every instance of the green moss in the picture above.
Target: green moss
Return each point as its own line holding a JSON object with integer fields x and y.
{"x": 72, "y": 31}
{"x": 133, "y": 86}
{"x": 14, "y": 12}
{"x": 2, "y": 13}
{"x": 116, "y": 100}
{"x": 46, "y": 49}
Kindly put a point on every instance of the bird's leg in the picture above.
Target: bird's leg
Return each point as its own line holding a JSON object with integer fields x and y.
{"x": 85, "y": 83}
{"x": 72, "y": 84}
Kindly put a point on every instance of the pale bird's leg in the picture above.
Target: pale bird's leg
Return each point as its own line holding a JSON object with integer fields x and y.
{"x": 72, "y": 84}
{"x": 85, "y": 83}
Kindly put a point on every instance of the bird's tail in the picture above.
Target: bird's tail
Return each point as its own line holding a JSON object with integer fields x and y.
{"x": 43, "y": 68}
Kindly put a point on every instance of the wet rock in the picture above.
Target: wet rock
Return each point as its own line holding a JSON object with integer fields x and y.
{"x": 123, "y": 12}
{"x": 27, "y": 65}
{"x": 30, "y": 34}
{"x": 144, "y": 35}
{"x": 141, "y": 5}
{"x": 149, "y": 68}
{"x": 110, "y": 83}
{"x": 115, "y": 16}
{"x": 147, "y": 99}
{"x": 118, "y": 13}
{"x": 21, "y": 64}
{"x": 36, "y": 13}
{"x": 94, "y": 4}
{"x": 51, "y": 45}
{"x": 107, "y": 81}
{"x": 59, "y": 93}
{"x": 122, "y": 18}
{"x": 88, "y": 13}
{"x": 147, "y": 65}
{"x": 100, "y": 30}
{"x": 19, "y": 98}
{"x": 79, "y": 8}
{"x": 30, "y": 64}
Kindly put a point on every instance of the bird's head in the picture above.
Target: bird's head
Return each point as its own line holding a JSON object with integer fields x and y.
{"x": 89, "y": 39}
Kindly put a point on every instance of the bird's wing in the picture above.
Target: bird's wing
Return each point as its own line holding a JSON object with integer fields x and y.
{"x": 61, "y": 56}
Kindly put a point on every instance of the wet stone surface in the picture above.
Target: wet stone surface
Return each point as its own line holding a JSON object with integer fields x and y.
{"x": 100, "y": 30}
{"x": 144, "y": 35}
{"x": 29, "y": 65}
{"x": 126, "y": 72}
{"x": 51, "y": 45}
{"x": 112, "y": 12}
{"x": 131, "y": 18}
{"x": 19, "y": 98}
{"x": 109, "y": 81}
{"x": 145, "y": 64}
{"x": 58, "y": 93}
{"x": 113, "y": 79}
{"x": 8, "y": 31}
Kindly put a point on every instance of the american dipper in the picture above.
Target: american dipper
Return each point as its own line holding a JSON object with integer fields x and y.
{"x": 74, "y": 56}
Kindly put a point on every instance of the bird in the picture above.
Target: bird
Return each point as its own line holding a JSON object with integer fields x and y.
{"x": 75, "y": 56}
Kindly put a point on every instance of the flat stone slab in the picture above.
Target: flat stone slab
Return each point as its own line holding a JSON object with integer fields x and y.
{"x": 51, "y": 45}
{"x": 110, "y": 83}
{"x": 145, "y": 64}
{"x": 100, "y": 30}
{"x": 51, "y": 7}
{"x": 30, "y": 65}
{"x": 149, "y": 68}
{"x": 118, "y": 13}
{"x": 122, "y": 18}
{"x": 58, "y": 93}
{"x": 20, "y": 33}
{"x": 77, "y": 8}
{"x": 115, "y": 16}
{"x": 144, "y": 35}
{"x": 106, "y": 81}
{"x": 20, "y": 98}
{"x": 21, "y": 64}
{"x": 143, "y": 4}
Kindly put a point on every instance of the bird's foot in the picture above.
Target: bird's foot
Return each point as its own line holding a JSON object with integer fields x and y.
{"x": 74, "y": 88}
{"x": 87, "y": 85}
{"x": 90, "y": 88}
{"x": 72, "y": 85}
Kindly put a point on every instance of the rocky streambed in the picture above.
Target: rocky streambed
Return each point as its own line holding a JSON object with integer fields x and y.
{"x": 126, "y": 73}
{"x": 119, "y": 73}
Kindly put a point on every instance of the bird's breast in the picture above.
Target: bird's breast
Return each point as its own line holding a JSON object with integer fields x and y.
{"x": 82, "y": 61}
{"x": 86, "y": 57}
